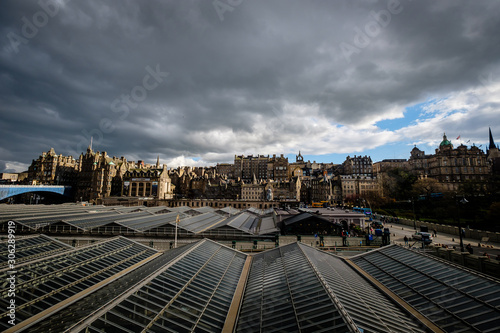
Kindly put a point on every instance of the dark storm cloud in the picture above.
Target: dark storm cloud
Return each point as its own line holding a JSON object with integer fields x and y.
{"x": 70, "y": 78}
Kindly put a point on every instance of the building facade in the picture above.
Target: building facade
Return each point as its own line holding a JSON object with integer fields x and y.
{"x": 451, "y": 166}
{"x": 358, "y": 166}
{"x": 152, "y": 183}
{"x": 52, "y": 169}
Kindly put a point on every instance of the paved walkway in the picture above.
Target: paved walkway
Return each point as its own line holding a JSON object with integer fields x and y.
{"x": 400, "y": 230}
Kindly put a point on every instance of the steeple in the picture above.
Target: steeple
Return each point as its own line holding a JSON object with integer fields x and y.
{"x": 158, "y": 162}
{"x": 299, "y": 158}
{"x": 492, "y": 143}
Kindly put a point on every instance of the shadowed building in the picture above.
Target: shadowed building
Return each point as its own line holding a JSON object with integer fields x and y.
{"x": 493, "y": 154}
{"x": 154, "y": 183}
{"x": 451, "y": 166}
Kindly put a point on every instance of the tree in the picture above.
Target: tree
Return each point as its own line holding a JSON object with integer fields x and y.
{"x": 494, "y": 212}
{"x": 425, "y": 187}
{"x": 374, "y": 199}
{"x": 397, "y": 184}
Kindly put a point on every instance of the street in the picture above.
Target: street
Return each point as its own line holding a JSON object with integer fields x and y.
{"x": 400, "y": 230}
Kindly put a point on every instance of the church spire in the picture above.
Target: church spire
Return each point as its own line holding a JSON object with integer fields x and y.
{"x": 158, "y": 162}
{"x": 492, "y": 143}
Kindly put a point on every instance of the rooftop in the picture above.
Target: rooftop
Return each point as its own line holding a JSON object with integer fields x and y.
{"x": 119, "y": 285}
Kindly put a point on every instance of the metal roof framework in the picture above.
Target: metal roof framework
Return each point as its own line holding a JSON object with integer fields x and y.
{"x": 30, "y": 248}
{"x": 193, "y": 293}
{"x": 361, "y": 301}
{"x": 296, "y": 288}
{"x": 209, "y": 287}
{"x": 19, "y": 212}
{"x": 46, "y": 285}
{"x": 200, "y": 223}
{"x": 454, "y": 298}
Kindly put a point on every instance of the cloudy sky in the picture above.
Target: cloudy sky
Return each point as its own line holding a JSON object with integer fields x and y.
{"x": 200, "y": 81}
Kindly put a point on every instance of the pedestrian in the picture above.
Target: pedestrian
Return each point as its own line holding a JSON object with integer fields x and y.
{"x": 469, "y": 248}
{"x": 406, "y": 241}
{"x": 435, "y": 232}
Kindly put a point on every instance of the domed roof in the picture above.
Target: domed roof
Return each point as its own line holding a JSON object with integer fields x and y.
{"x": 445, "y": 142}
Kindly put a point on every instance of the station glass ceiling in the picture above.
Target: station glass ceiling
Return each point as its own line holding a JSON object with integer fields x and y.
{"x": 209, "y": 287}
{"x": 118, "y": 220}
{"x": 455, "y": 299}
{"x": 45, "y": 283}
{"x": 192, "y": 294}
{"x": 31, "y": 248}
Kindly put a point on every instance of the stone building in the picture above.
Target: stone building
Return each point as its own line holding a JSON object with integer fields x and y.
{"x": 52, "y": 169}
{"x": 356, "y": 178}
{"x": 356, "y": 187}
{"x": 246, "y": 167}
{"x": 152, "y": 183}
{"x": 358, "y": 166}
{"x": 225, "y": 169}
{"x": 493, "y": 156}
{"x": 100, "y": 175}
{"x": 253, "y": 192}
{"x": 262, "y": 167}
{"x": 278, "y": 168}
{"x": 451, "y": 166}
{"x": 285, "y": 190}
{"x": 8, "y": 178}
{"x": 388, "y": 164}
{"x": 227, "y": 190}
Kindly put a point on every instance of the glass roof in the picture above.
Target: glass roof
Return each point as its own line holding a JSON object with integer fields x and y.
{"x": 77, "y": 311}
{"x": 201, "y": 222}
{"x": 123, "y": 220}
{"x": 283, "y": 294}
{"x": 293, "y": 288}
{"x": 44, "y": 283}
{"x": 31, "y": 248}
{"x": 359, "y": 298}
{"x": 192, "y": 294}
{"x": 454, "y": 298}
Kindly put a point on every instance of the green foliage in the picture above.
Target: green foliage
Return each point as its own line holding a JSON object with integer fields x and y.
{"x": 398, "y": 184}
{"x": 494, "y": 212}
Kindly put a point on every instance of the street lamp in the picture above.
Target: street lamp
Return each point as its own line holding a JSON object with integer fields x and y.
{"x": 414, "y": 216}
{"x": 463, "y": 202}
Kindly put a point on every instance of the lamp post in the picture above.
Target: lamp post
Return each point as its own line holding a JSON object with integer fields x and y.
{"x": 414, "y": 216}
{"x": 463, "y": 201}
{"x": 176, "y": 224}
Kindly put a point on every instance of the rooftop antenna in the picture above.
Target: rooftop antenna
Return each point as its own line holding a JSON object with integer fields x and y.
{"x": 91, "y": 138}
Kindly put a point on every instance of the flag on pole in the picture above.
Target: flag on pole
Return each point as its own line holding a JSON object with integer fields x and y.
{"x": 458, "y": 137}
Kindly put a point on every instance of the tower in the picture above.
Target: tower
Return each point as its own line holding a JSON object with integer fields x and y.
{"x": 492, "y": 143}
{"x": 493, "y": 155}
{"x": 299, "y": 158}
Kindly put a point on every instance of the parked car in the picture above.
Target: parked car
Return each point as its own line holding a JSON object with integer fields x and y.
{"x": 423, "y": 236}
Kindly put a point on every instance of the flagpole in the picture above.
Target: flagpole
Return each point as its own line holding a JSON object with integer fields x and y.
{"x": 176, "y": 223}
